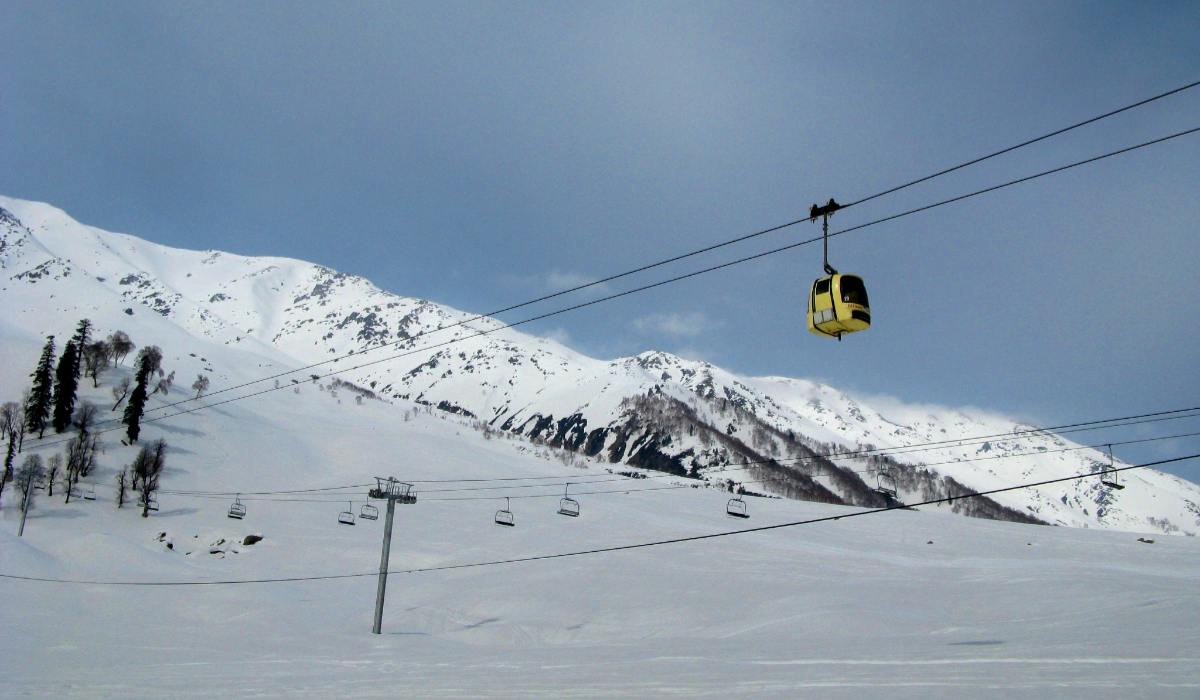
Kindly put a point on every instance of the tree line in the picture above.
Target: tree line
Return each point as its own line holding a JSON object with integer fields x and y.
{"x": 50, "y": 403}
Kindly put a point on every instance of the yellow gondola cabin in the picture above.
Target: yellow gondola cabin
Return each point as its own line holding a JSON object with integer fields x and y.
{"x": 838, "y": 305}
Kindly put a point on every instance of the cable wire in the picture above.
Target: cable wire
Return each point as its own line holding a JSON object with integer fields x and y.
{"x": 584, "y": 479}
{"x": 699, "y": 251}
{"x": 604, "y": 550}
{"x": 698, "y": 482}
{"x": 660, "y": 283}
{"x": 1024, "y": 143}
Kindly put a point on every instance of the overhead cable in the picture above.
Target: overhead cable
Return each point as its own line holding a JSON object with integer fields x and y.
{"x": 584, "y": 478}
{"x": 604, "y": 550}
{"x": 699, "y": 251}
{"x": 38, "y": 445}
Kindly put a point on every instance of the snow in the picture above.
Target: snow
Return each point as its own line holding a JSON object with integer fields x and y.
{"x": 851, "y": 608}
{"x": 289, "y": 313}
{"x": 859, "y": 607}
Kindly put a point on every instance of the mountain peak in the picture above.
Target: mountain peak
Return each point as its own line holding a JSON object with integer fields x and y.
{"x": 653, "y": 411}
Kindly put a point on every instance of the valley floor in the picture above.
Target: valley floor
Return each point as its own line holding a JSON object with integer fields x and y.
{"x": 840, "y": 610}
{"x": 896, "y": 605}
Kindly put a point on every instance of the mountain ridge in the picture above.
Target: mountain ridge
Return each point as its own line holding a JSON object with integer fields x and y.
{"x": 652, "y": 411}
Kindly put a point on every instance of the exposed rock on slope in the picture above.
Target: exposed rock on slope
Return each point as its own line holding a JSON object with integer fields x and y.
{"x": 654, "y": 411}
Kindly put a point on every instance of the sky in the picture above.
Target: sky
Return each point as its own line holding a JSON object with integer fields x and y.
{"x": 482, "y": 154}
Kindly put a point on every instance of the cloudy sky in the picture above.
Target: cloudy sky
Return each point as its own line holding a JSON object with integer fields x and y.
{"x": 482, "y": 154}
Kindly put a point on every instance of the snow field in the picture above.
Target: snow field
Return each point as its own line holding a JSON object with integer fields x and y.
{"x": 854, "y": 608}
{"x": 858, "y": 608}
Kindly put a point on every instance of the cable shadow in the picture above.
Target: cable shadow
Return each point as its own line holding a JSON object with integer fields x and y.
{"x": 177, "y": 511}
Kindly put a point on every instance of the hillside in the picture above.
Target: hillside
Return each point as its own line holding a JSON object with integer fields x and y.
{"x": 903, "y": 603}
{"x": 653, "y": 411}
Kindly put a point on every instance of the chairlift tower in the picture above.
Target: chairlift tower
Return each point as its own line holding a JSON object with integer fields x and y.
{"x": 393, "y": 492}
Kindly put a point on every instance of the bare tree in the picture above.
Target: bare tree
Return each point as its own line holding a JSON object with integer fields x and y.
{"x": 120, "y": 391}
{"x": 30, "y": 473}
{"x": 164, "y": 385}
{"x": 200, "y": 385}
{"x": 23, "y": 421}
{"x": 153, "y": 355}
{"x": 85, "y": 417}
{"x": 28, "y": 476}
{"x": 147, "y": 469}
{"x": 53, "y": 467}
{"x": 96, "y": 358}
{"x": 10, "y": 414}
{"x": 81, "y": 457}
{"x": 120, "y": 345}
{"x": 122, "y": 487}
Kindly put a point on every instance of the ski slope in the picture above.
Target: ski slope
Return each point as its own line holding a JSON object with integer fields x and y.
{"x": 901, "y": 604}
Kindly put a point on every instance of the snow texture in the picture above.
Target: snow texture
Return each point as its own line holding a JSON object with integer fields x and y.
{"x": 903, "y": 604}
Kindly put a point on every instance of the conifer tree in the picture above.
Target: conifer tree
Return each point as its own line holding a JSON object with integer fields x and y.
{"x": 137, "y": 399}
{"x": 65, "y": 386}
{"x": 41, "y": 396}
{"x": 83, "y": 334}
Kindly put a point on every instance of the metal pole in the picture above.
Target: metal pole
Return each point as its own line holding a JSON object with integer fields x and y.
{"x": 829, "y": 270}
{"x": 383, "y": 566}
{"x": 24, "y": 510}
{"x": 825, "y": 238}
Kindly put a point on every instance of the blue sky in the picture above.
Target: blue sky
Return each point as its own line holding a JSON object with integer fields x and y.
{"x": 480, "y": 154}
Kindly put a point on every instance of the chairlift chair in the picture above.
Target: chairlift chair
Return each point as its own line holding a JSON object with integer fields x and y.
{"x": 392, "y": 490}
{"x": 368, "y": 512}
{"x": 885, "y": 484}
{"x": 736, "y": 508}
{"x": 91, "y": 494}
{"x": 237, "y": 511}
{"x": 153, "y": 505}
{"x": 505, "y": 516}
{"x": 346, "y": 517}
{"x": 1108, "y": 477}
{"x": 76, "y": 492}
{"x": 567, "y": 505}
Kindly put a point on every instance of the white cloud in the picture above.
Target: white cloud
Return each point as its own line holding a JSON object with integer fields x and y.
{"x": 555, "y": 281}
{"x": 559, "y": 335}
{"x": 676, "y": 325}
{"x": 690, "y": 353}
{"x": 558, "y": 281}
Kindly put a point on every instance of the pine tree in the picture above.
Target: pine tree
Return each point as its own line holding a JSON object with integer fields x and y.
{"x": 137, "y": 399}
{"x": 65, "y": 386}
{"x": 83, "y": 334}
{"x": 41, "y": 396}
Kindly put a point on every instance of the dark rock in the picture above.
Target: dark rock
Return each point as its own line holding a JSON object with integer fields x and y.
{"x": 251, "y": 539}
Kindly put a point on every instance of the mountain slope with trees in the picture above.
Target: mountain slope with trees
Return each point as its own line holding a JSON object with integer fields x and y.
{"x": 779, "y": 436}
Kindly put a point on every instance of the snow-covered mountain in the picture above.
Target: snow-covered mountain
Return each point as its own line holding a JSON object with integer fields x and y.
{"x": 654, "y": 411}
